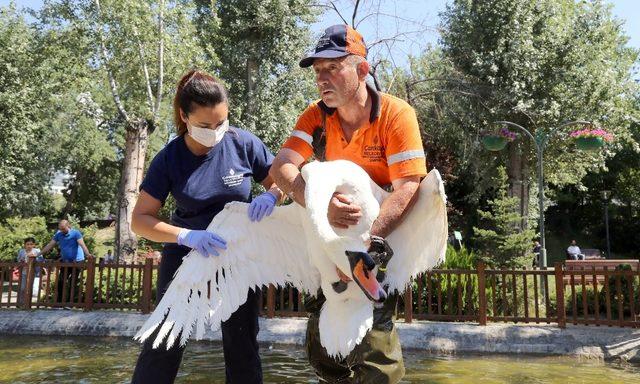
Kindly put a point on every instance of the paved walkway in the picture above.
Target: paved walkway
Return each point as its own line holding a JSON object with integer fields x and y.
{"x": 448, "y": 338}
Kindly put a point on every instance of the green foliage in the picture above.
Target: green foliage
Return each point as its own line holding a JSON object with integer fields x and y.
{"x": 24, "y": 171}
{"x": 579, "y": 210}
{"x": 15, "y": 230}
{"x": 459, "y": 259}
{"x": 501, "y": 242}
{"x": 257, "y": 45}
{"x": 518, "y": 61}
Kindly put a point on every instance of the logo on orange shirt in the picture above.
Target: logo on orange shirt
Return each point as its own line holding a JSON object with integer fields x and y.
{"x": 373, "y": 153}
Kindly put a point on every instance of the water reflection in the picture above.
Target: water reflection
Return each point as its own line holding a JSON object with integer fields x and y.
{"x": 49, "y": 359}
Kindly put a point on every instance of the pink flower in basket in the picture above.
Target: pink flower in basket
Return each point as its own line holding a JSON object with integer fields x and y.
{"x": 507, "y": 134}
{"x": 606, "y": 136}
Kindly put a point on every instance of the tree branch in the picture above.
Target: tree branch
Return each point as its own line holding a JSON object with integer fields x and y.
{"x": 145, "y": 70}
{"x": 156, "y": 109}
{"x": 393, "y": 38}
{"x": 338, "y": 12}
{"x": 355, "y": 12}
{"x": 419, "y": 95}
{"x": 403, "y": 19}
{"x": 105, "y": 59}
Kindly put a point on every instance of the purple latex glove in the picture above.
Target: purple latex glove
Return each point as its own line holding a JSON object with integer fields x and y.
{"x": 262, "y": 206}
{"x": 206, "y": 243}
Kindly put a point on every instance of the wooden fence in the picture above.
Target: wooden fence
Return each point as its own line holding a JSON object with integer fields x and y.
{"x": 86, "y": 285}
{"x": 559, "y": 295}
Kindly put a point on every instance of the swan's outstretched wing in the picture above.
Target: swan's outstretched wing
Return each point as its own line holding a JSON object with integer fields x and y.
{"x": 207, "y": 290}
{"x": 419, "y": 243}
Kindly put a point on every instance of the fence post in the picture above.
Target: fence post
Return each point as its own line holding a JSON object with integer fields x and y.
{"x": 408, "y": 303}
{"x": 28, "y": 289}
{"x": 90, "y": 283}
{"x": 482, "y": 294}
{"x": 147, "y": 274}
{"x": 271, "y": 301}
{"x": 562, "y": 317}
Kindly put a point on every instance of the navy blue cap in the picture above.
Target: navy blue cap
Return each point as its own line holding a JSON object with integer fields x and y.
{"x": 338, "y": 41}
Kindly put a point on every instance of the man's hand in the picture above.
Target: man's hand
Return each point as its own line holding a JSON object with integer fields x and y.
{"x": 342, "y": 212}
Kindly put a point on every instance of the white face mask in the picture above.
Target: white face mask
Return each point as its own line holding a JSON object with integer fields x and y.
{"x": 208, "y": 137}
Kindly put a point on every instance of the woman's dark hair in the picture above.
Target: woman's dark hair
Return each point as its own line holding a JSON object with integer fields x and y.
{"x": 196, "y": 88}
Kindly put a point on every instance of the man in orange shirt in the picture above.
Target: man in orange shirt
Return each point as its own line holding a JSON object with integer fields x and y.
{"x": 379, "y": 132}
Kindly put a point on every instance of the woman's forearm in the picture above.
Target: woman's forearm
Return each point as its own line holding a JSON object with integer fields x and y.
{"x": 154, "y": 229}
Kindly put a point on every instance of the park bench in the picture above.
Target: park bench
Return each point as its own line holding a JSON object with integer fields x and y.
{"x": 594, "y": 265}
{"x": 592, "y": 254}
{"x": 589, "y": 254}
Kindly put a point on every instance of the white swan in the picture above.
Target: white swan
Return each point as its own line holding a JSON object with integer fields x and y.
{"x": 298, "y": 246}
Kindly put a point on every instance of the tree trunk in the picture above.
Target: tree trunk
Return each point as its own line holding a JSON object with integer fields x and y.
{"x": 252, "y": 69}
{"x": 136, "y": 142}
{"x": 72, "y": 192}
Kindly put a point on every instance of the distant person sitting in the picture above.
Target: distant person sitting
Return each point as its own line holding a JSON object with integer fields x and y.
{"x": 72, "y": 250}
{"x": 109, "y": 258}
{"x": 573, "y": 252}
{"x": 29, "y": 249}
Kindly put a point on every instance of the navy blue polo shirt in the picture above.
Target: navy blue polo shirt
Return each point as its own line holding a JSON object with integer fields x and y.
{"x": 202, "y": 185}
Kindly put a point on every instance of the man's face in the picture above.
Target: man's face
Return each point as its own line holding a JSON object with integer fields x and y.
{"x": 573, "y": 242}
{"x": 64, "y": 228}
{"x": 337, "y": 81}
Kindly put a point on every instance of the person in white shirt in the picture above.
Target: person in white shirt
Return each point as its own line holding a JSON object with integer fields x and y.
{"x": 573, "y": 252}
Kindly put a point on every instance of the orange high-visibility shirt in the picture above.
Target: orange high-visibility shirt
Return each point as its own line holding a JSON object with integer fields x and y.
{"x": 388, "y": 146}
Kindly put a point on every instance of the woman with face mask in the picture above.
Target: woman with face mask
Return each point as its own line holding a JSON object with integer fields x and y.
{"x": 207, "y": 165}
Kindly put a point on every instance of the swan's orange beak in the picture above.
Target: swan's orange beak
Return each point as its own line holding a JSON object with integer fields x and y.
{"x": 362, "y": 270}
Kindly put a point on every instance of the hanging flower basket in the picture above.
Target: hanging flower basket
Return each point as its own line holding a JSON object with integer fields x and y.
{"x": 494, "y": 142}
{"x": 497, "y": 141}
{"x": 589, "y": 143}
{"x": 590, "y": 139}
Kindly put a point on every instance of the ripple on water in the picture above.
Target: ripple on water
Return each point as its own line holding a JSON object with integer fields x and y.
{"x": 39, "y": 359}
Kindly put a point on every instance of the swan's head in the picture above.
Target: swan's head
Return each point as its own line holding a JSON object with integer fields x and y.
{"x": 362, "y": 270}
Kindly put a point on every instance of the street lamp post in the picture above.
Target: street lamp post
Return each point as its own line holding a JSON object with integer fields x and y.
{"x": 540, "y": 139}
{"x": 605, "y": 197}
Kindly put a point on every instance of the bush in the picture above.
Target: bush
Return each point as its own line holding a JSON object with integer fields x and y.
{"x": 15, "y": 229}
{"x": 459, "y": 259}
{"x": 468, "y": 293}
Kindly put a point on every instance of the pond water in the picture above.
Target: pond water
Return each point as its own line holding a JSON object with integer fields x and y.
{"x": 40, "y": 359}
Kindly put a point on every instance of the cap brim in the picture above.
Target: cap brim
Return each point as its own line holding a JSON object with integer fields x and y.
{"x": 325, "y": 54}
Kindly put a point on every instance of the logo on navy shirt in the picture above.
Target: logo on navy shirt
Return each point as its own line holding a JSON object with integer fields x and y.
{"x": 232, "y": 180}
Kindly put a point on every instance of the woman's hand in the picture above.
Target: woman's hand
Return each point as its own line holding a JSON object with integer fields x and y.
{"x": 262, "y": 206}
{"x": 205, "y": 242}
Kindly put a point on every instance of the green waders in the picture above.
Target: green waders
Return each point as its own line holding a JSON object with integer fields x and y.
{"x": 376, "y": 360}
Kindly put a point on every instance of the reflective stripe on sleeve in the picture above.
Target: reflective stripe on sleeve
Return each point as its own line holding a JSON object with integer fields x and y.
{"x": 402, "y": 156}
{"x": 303, "y": 135}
